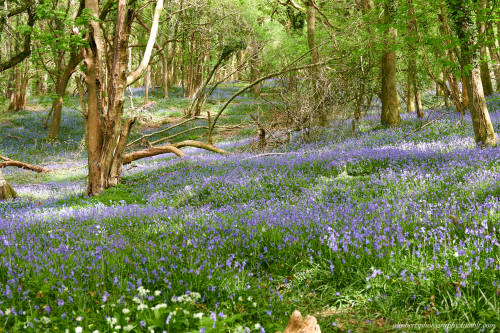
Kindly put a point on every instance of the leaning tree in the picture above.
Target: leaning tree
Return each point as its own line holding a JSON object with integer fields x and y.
{"x": 465, "y": 26}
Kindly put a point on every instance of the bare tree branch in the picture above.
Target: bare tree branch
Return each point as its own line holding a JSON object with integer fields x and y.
{"x": 134, "y": 76}
{"x": 26, "y": 166}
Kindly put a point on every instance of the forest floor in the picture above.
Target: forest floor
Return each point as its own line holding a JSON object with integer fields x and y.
{"x": 368, "y": 231}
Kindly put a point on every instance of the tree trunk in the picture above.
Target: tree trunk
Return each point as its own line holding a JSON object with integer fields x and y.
{"x": 484, "y": 68}
{"x": 6, "y": 191}
{"x": 465, "y": 95}
{"x": 18, "y": 96}
{"x": 439, "y": 91}
{"x": 254, "y": 69}
{"x": 410, "y": 90}
{"x": 107, "y": 130}
{"x": 420, "y": 109}
{"x": 465, "y": 26}
{"x": 166, "y": 73}
{"x": 147, "y": 80}
{"x": 42, "y": 87}
{"x": 311, "y": 41}
{"x": 390, "y": 101}
{"x": 485, "y": 75}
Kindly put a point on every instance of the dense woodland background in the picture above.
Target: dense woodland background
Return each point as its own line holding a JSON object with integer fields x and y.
{"x": 365, "y": 129}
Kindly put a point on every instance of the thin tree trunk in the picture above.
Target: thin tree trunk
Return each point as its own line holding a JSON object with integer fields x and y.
{"x": 166, "y": 72}
{"x": 147, "y": 80}
{"x": 439, "y": 91}
{"x": 61, "y": 85}
{"x": 410, "y": 92}
{"x": 420, "y": 109}
{"x": 254, "y": 70}
{"x": 311, "y": 40}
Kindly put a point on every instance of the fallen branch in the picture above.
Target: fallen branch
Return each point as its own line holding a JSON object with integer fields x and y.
{"x": 202, "y": 145}
{"x": 171, "y": 148}
{"x": 170, "y": 137}
{"x": 26, "y": 166}
{"x": 163, "y": 130}
{"x": 152, "y": 151}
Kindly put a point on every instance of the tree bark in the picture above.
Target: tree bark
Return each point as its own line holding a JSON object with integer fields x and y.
{"x": 465, "y": 28}
{"x": 484, "y": 68}
{"x": 390, "y": 102}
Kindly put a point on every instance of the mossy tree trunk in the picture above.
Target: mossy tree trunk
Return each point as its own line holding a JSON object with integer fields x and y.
{"x": 465, "y": 25}
{"x": 6, "y": 191}
{"x": 484, "y": 67}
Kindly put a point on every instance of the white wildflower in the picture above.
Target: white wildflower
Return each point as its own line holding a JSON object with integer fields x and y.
{"x": 142, "y": 291}
{"x": 125, "y": 310}
{"x": 78, "y": 329}
{"x": 45, "y": 320}
{"x": 111, "y": 321}
{"x": 128, "y": 328}
{"x": 142, "y": 306}
{"x": 159, "y": 306}
{"x": 198, "y": 315}
{"x": 157, "y": 292}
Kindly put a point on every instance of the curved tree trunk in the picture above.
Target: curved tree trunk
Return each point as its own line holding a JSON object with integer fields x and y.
{"x": 61, "y": 85}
